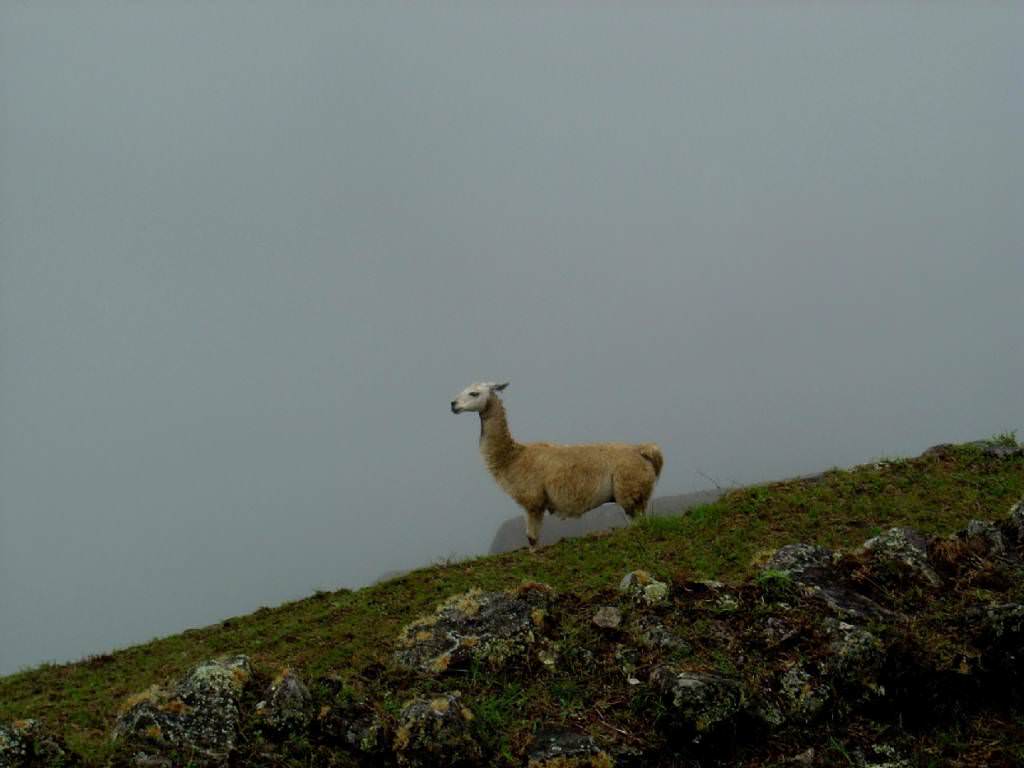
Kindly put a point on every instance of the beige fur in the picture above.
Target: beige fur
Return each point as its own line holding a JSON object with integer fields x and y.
{"x": 566, "y": 480}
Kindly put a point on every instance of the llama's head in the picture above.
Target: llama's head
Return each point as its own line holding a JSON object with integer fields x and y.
{"x": 475, "y": 396}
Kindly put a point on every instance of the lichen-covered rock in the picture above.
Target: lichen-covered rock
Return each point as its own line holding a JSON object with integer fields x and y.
{"x": 1003, "y": 622}
{"x": 701, "y": 701}
{"x": 906, "y": 550}
{"x": 286, "y": 705}
{"x": 1016, "y": 520}
{"x": 347, "y": 719}
{"x": 607, "y": 617}
{"x": 565, "y": 749}
{"x": 145, "y": 760}
{"x": 776, "y": 631}
{"x": 649, "y": 632}
{"x": 883, "y": 756}
{"x": 1001, "y": 449}
{"x": 201, "y": 713}
{"x": 492, "y": 628}
{"x": 435, "y": 731}
{"x": 815, "y": 569}
{"x": 802, "y": 694}
{"x": 985, "y": 539}
{"x": 641, "y": 587}
{"x": 800, "y": 560}
{"x": 27, "y": 744}
{"x": 854, "y": 655}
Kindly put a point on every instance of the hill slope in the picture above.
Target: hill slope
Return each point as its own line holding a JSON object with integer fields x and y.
{"x": 345, "y": 640}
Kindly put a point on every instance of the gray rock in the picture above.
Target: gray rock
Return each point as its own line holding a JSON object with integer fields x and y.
{"x": 1003, "y": 450}
{"x": 608, "y": 617}
{"x": 854, "y": 655}
{"x": 884, "y": 756}
{"x": 348, "y": 719}
{"x": 434, "y": 732}
{"x": 800, "y": 560}
{"x": 641, "y": 587}
{"x": 25, "y": 743}
{"x": 814, "y": 568}
{"x": 565, "y": 749}
{"x": 802, "y": 694}
{"x": 702, "y": 701}
{"x": 776, "y": 631}
{"x": 1017, "y": 520}
{"x": 287, "y": 704}
{"x": 143, "y": 760}
{"x": 985, "y": 539}
{"x": 492, "y": 628}
{"x": 649, "y": 632}
{"x": 201, "y": 713}
{"x": 1003, "y": 621}
{"x": 906, "y": 549}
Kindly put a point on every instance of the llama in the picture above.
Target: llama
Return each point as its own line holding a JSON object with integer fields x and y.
{"x": 566, "y": 480}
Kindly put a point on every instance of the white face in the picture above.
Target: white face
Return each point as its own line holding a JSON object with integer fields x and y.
{"x": 475, "y": 396}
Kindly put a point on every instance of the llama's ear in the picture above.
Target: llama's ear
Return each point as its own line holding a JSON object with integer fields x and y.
{"x": 499, "y": 387}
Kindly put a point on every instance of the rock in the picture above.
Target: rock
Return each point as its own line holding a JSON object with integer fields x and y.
{"x": 643, "y": 588}
{"x": 985, "y": 539}
{"x": 492, "y": 628}
{"x": 800, "y": 560}
{"x": 348, "y": 719}
{"x": 650, "y": 633}
{"x": 143, "y": 760}
{"x": 1017, "y": 520}
{"x": 564, "y": 749}
{"x": 1003, "y": 621}
{"x": 434, "y": 732}
{"x": 1002, "y": 449}
{"x": 702, "y": 701}
{"x": 906, "y": 550}
{"x": 854, "y": 656}
{"x": 884, "y": 756}
{"x": 27, "y": 743}
{"x": 287, "y": 704}
{"x": 777, "y": 631}
{"x": 628, "y": 659}
{"x": 201, "y": 713}
{"x": 801, "y": 694}
{"x": 815, "y": 569}
{"x": 607, "y": 617}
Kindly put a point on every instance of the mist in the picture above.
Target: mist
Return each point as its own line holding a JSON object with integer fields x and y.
{"x": 249, "y": 252}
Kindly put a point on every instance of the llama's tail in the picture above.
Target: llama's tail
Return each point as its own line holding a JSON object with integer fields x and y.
{"x": 652, "y": 453}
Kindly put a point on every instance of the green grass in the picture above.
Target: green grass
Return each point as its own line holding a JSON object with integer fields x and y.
{"x": 342, "y": 633}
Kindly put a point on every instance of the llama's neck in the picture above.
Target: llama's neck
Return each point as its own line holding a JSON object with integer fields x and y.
{"x": 496, "y": 442}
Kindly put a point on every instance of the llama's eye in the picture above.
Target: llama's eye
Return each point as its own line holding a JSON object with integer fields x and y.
{"x": 474, "y": 394}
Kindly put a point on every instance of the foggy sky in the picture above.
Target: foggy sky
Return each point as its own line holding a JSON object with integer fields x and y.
{"x": 249, "y": 252}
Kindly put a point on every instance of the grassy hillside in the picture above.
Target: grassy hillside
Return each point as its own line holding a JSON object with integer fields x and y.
{"x": 350, "y": 634}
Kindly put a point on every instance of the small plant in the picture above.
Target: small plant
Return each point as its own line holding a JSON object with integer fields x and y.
{"x": 1009, "y": 439}
{"x": 776, "y": 586}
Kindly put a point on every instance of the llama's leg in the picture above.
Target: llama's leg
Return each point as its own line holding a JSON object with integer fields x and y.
{"x": 534, "y": 518}
{"x": 637, "y": 510}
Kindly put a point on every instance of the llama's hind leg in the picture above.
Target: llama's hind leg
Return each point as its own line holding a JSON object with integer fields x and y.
{"x": 534, "y": 518}
{"x": 632, "y": 496}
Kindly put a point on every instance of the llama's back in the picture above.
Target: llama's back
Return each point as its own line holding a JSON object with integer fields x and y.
{"x": 577, "y": 478}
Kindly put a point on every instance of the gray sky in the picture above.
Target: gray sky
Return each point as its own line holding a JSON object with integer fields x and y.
{"x": 249, "y": 252}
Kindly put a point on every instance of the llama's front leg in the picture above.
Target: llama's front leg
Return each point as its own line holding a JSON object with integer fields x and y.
{"x": 534, "y": 518}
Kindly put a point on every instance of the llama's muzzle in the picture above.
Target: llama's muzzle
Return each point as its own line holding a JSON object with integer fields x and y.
{"x": 455, "y": 408}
